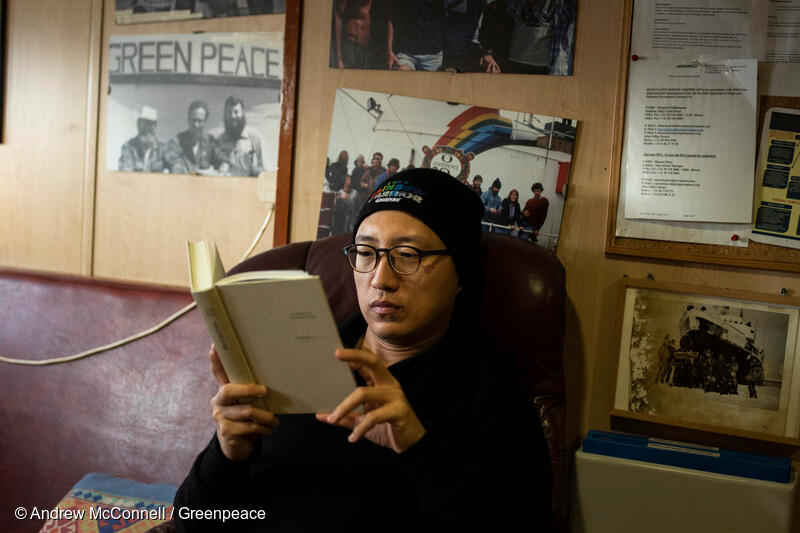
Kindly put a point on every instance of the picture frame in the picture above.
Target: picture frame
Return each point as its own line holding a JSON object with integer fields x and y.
{"x": 291, "y": 57}
{"x": 374, "y": 135}
{"x": 150, "y": 11}
{"x": 514, "y": 37}
{"x": 716, "y": 360}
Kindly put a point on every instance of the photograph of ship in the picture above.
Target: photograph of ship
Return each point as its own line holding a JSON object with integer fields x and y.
{"x": 710, "y": 360}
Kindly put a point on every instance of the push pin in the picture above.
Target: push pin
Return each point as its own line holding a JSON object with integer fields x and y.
{"x": 634, "y": 57}
{"x": 784, "y": 291}
{"x": 734, "y": 237}
{"x": 651, "y": 277}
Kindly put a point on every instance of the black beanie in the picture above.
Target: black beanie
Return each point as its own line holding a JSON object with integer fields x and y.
{"x": 451, "y": 209}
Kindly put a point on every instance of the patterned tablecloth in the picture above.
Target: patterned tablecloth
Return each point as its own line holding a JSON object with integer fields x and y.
{"x": 100, "y": 503}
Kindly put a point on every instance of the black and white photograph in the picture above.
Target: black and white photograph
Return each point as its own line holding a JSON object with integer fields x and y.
{"x": 490, "y": 36}
{"x": 517, "y": 162}
{"x": 205, "y": 104}
{"x": 709, "y": 360}
{"x": 141, "y": 11}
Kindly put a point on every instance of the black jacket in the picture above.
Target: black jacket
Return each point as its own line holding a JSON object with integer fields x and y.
{"x": 481, "y": 466}
{"x": 505, "y": 213}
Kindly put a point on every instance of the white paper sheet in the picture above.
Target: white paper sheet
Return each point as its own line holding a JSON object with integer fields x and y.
{"x": 736, "y": 29}
{"x": 694, "y": 232}
{"x": 681, "y": 29}
{"x": 780, "y": 75}
{"x": 691, "y": 141}
{"x": 738, "y": 17}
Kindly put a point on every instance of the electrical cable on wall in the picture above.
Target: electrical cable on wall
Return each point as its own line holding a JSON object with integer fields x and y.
{"x": 127, "y": 340}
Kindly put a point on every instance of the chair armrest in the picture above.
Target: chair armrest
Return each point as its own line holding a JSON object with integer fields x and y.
{"x": 552, "y": 413}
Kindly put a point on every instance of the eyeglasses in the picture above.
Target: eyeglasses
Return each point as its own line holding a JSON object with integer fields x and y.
{"x": 404, "y": 260}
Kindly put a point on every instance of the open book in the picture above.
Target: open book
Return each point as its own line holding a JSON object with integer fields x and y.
{"x": 272, "y": 327}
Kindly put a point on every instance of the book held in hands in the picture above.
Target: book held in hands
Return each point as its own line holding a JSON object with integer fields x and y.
{"x": 274, "y": 328}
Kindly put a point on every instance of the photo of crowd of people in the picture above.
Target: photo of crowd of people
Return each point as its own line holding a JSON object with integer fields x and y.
{"x": 709, "y": 360}
{"x": 517, "y": 163}
{"x": 492, "y": 36}
{"x": 138, "y": 11}
{"x": 183, "y": 123}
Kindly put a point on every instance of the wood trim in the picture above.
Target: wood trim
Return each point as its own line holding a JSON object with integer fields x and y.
{"x": 108, "y": 283}
{"x": 753, "y": 435}
{"x": 619, "y": 122}
{"x": 710, "y": 291}
{"x": 626, "y": 283}
{"x": 612, "y": 389}
{"x": 756, "y": 255}
{"x": 90, "y": 159}
{"x": 291, "y": 67}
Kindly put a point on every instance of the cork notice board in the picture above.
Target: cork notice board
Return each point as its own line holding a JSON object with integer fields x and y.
{"x": 755, "y": 255}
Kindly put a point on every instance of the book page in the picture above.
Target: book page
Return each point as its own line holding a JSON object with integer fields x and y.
{"x": 288, "y": 335}
{"x": 264, "y": 275}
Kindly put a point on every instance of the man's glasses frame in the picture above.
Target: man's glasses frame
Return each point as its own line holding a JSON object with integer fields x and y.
{"x": 351, "y": 252}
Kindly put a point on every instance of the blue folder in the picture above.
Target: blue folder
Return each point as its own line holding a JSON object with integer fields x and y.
{"x": 686, "y": 455}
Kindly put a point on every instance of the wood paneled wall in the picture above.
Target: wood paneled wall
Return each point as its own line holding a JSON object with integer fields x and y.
{"x": 588, "y": 96}
{"x": 132, "y": 226}
{"x": 144, "y": 220}
{"x": 43, "y": 167}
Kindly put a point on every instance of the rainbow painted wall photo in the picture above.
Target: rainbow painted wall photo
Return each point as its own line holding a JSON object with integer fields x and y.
{"x": 374, "y": 135}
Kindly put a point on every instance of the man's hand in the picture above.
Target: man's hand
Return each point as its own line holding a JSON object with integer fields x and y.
{"x": 388, "y": 419}
{"x": 489, "y": 65}
{"x": 239, "y": 423}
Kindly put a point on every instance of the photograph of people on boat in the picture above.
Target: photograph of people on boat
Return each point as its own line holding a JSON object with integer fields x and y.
{"x": 709, "y": 360}
{"x": 517, "y": 162}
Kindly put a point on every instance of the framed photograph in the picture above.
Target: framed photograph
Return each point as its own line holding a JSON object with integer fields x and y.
{"x": 709, "y": 359}
{"x": 489, "y": 36}
{"x": 142, "y": 11}
{"x": 517, "y": 162}
{"x": 204, "y": 104}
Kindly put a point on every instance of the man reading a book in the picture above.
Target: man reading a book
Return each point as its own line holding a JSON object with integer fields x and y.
{"x": 433, "y": 439}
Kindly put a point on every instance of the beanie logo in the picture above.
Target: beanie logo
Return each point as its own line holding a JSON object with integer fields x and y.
{"x": 396, "y": 190}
